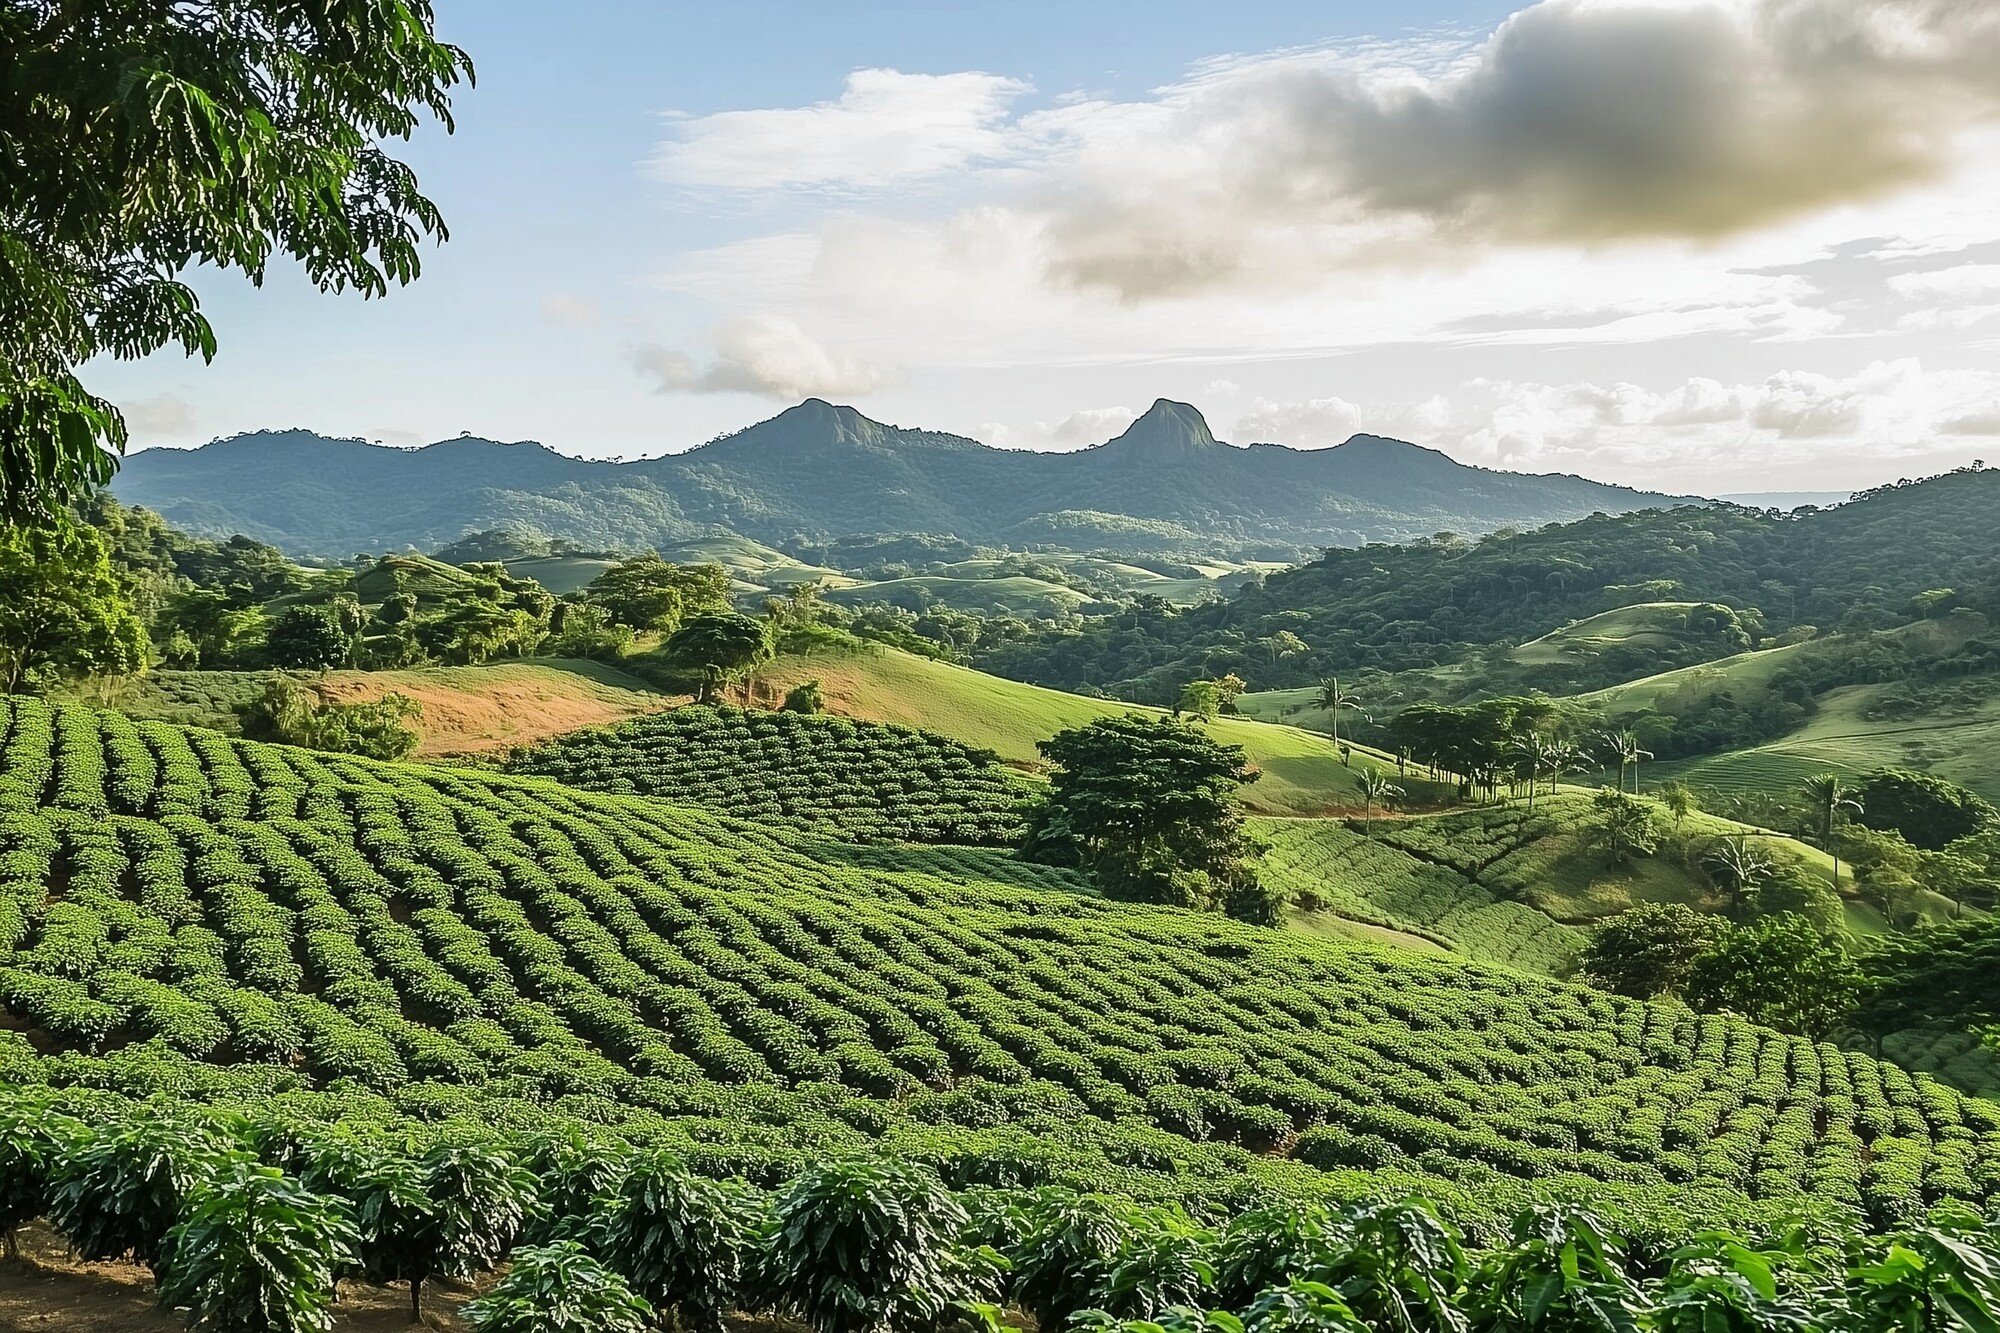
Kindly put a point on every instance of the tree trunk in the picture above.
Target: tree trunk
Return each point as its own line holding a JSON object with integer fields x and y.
{"x": 416, "y": 1300}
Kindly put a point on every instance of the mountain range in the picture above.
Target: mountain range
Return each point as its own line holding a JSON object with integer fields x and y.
{"x": 821, "y": 471}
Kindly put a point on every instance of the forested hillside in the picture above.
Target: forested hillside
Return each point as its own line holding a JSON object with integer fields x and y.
{"x": 1861, "y": 566}
{"x": 828, "y": 472}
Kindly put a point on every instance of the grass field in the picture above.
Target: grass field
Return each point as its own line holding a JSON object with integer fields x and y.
{"x": 1957, "y": 737}
{"x": 1655, "y": 625}
{"x": 560, "y": 574}
{"x": 1014, "y": 594}
{"x": 1302, "y": 771}
{"x": 478, "y": 709}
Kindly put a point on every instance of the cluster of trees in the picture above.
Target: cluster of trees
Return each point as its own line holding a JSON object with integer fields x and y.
{"x": 1147, "y": 806}
{"x": 290, "y": 712}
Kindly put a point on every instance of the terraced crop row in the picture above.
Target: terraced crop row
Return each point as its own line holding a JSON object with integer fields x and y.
{"x": 859, "y": 780}
{"x": 173, "y": 901}
{"x": 1367, "y": 878}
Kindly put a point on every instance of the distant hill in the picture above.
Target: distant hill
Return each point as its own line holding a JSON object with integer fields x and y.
{"x": 1885, "y": 558}
{"x": 826, "y": 472}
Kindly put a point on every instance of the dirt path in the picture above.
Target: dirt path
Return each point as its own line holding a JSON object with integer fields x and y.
{"x": 50, "y": 1290}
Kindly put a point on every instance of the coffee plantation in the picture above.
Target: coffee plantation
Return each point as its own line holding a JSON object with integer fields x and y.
{"x": 862, "y": 781}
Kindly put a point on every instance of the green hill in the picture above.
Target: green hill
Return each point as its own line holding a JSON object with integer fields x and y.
{"x": 1302, "y": 771}
{"x": 1166, "y": 484}
{"x": 1658, "y": 628}
{"x": 858, "y": 780}
{"x": 249, "y": 925}
{"x": 1888, "y": 557}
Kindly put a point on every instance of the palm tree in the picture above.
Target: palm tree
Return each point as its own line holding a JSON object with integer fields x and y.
{"x": 1332, "y": 698}
{"x": 1830, "y": 798}
{"x": 1626, "y": 750}
{"x": 1739, "y": 868}
{"x": 1376, "y": 789}
{"x": 1536, "y": 753}
{"x": 1561, "y": 757}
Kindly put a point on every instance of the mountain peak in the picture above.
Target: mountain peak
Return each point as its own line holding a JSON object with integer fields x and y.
{"x": 1167, "y": 427}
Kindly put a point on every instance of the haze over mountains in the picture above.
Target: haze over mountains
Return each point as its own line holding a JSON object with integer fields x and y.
{"x": 817, "y": 470}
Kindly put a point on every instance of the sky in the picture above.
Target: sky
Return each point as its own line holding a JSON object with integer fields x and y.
{"x": 1698, "y": 245}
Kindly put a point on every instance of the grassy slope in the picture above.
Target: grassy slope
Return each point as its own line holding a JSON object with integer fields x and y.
{"x": 1963, "y": 746}
{"x": 474, "y": 709}
{"x": 1302, "y": 771}
{"x": 1014, "y": 594}
{"x": 1645, "y": 624}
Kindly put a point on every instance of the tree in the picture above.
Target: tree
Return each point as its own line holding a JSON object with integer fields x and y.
{"x": 716, "y": 647}
{"x": 1201, "y": 699}
{"x": 256, "y": 1252}
{"x": 1147, "y": 805}
{"x": 63, "y": 611}
{"x": 1830, "y": 799}
{"x": 1927, "y": 810}
{"x": 805, "y": 697}
{"x": 1649, "y": 950}
{"x": 1624, "y": 827}
{"x": 450, "y": 1213}
{"x": 871, "y": 1247}
{"x": 1376, "y": 789}
{"x": 1679, "y": 799}
{"x": 1625, "y": 748}
{"x": 147, "y": 139}
{"x": 309, "y": 638}
{"x": 1332, "y": 699}
{"x": 1781, "y": 972}
{"x": 1739, "y": 868}
{"x": 648, "y": 593}
{"x": 559, "y": 1288}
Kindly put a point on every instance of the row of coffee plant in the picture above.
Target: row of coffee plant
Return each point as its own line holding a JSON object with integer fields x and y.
{"x": 860, "y": 780}
{"x": 250, "y": 1225}
{"x": 227, "y": 914}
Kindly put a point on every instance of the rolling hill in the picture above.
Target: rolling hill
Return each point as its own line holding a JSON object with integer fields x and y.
{"x": 311, "y": 938}
{"x": 1165, "y": 484}
{"x": 1302, "y": 771}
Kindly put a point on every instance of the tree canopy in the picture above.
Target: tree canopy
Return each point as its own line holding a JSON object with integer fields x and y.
{"x": 143, "y": 138}
{"x": 63, "y": 611}
{"x": 1147, "y": 804}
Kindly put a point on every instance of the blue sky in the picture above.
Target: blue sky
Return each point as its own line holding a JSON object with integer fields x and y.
{"x": 1565, "y": 240}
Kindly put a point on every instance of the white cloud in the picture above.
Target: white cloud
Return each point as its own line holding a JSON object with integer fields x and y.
{"x": 1960, "y": 281}
{"x": 1895, "y": 407}
{"x": 885, "y": 127}
{"x": 1091, "y": 425}
{"x": 767, "y": 355}
{"x": 162, "y": 416}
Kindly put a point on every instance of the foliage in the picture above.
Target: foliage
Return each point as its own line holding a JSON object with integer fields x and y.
{"x": 871, "y": 1247}
{"x": 117, "y": 1193}
{"x": 148, "y": 139}
{"x": 1624, "y": 827}
{"x": 686, "y": 1244}
{"x": 452, "y": 1213}
{"x": 805, "y": 697}
{"x": 648, "y": 593}
{"x": 1148, "y": 802}
{"x": 291, "y": 713}
{"x": 311, "y": 638}
{"x": 559, "y": 1288}
{"x": 1927, "y": 810}
{"x": 256, "y": 1253}
{"x": 714, "y": 648}
{"x": 1782, "y": 971}
{"x": 1650, "y": 950}
{"x": 63, "y": 612}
